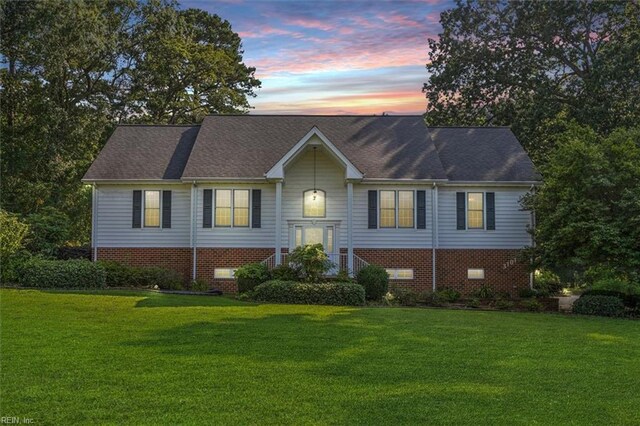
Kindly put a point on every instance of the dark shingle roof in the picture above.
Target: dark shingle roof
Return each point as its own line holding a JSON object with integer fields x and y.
{"x": 247, "y": 146}
{"x": 144, "y": 152}
{"x": 482, "y": 154}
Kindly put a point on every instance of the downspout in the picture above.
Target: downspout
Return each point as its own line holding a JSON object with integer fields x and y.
{"x": 94, "y": 220}
{"x": 533, "y": 238}
{"x": 434, "y": 232}
{"x": 194, "y": 230}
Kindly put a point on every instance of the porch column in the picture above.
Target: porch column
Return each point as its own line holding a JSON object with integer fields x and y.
{"x": 278, "y": 222}
{"x": 350, "y": 227}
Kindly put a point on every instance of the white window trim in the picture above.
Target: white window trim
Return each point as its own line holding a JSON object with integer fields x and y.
{"x": 226, "y": 276}
{"x": 484, "y": 211}
{"x": 144, "y": 207}
{"x": 394, "y": 272}
{"x": 232, "y": 225}
{"x": 396, "y": 197}
{"x": 469, "y": 273}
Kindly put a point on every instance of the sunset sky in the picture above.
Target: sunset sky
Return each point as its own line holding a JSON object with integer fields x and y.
{"x": 334, "y": 57}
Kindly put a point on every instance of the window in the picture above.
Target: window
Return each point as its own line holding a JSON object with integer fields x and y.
{"x": 400, "y": 274}
{"x": 152, "y": 209}
{"x": 387, "y": 209}
{"x": 223, "y": 207}
{"x": 405, "y": 209}
{"x": 313, "y": 203}
{"x": 224, "y": 273}
{"x": 475, "y": 274}
{"x": 241, "y": 207}
{"x": 475, "y": 210}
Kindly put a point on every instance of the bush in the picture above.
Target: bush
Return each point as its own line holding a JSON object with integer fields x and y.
{"x": 343, "y": 276}
{"x": 285, "y": 273}
{"x": 12, "y": 255}
{"x": 251, "y": 275}
{"x": 375, "y": 281}
{"x": 617, "y": 284}
{"x": 546, "y": 283}
{"x": 43, "y": 273}
{"x": 503, "y": 305}
{"x": 532, "y": 305}
{"x": 483, "y": 292}
{"x": 119, "y": 275}
{"x": 431, "y": 298}
{"x": 49, "y": 229}
{"x": 200, "y": 285}
{"x": 310, "y": 294}
{"x": 631, "y": 301}
{"x": 592, "y": 304}
{"x": 473, "y": 303}
{"x": 312, "y": 262}
{"x": 405, "y": 297}
{"x": 527, "y": 293}
{"x": 449, "y": 295}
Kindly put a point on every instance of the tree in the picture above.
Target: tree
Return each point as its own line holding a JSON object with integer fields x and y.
{"x": 588, "y": 208}
{"x": 76, "y": 69}
{"x": 522, "y": 64}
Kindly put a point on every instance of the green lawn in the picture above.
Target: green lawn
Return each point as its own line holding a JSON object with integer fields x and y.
{"x": 124, "y": 357}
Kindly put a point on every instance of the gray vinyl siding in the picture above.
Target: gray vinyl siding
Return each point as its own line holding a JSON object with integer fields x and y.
{"x": 329, "y": 178}
{"x": 511, "y": 221}
{"x": 388, "y": 237}
{"x": 263, "y": 237}
{"x": 115, "y": 210}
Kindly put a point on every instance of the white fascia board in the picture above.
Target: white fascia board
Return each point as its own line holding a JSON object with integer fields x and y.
{"x": 134, "y": 181}
{"x": 277, "y": 171}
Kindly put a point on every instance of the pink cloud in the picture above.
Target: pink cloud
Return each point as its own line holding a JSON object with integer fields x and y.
{"x": 309, "y": 23}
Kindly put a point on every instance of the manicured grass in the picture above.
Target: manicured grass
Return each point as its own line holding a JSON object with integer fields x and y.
{"x": 144, "y": 358}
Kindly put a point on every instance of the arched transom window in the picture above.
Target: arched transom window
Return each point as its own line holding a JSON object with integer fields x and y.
{"x": 313, "y": 203}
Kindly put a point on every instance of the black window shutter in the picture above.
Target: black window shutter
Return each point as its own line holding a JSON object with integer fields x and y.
{"x": 137, "y": 210}
{"x": 256, "y": 206}
{"x": 421, "y": 211}
{"x": 166, "y": 209}
{"x": 461, "y": 210}
{"x": 491, "y": 210}
{"x": 373, "y": 209}
{"x": 207, "y": 205}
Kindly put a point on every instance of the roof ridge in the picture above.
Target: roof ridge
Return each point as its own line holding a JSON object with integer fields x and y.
{"x": 157, "y": 125}
{"x": 316, "y": 115}
{"x": 468, "y": 127}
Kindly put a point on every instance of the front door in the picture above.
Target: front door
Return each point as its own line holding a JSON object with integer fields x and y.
{"x": 318, "y": 234}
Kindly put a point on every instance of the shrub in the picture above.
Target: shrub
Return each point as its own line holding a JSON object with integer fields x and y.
{"x": 251, "y": 275}
{"x": 49, "y": 229}
{"x": 631, "y": 301}
{"x": 483, "y": 292}
{"x": 343, "y": 276}
{"x": 312, "y": 262}
{"x": 375, "y": 281}
{"x": 199, "y": 285}
{"x": 285, "y": 273}
{"x": 43, "y": 273}
{"x": 120, "y": 275}
{"x": 311, "y": 294}
{"x": 431, "y": 298}
{"x": 617, "y": 284}
{"x": 592, "y": 304}
{"x": 12, "y": 255}
{"x": 527, "y": 293}
{"x": 532, "y": 305}
{"x": 449, "y": 295}
{"x": 405, "y": 297}
{"x": 473, "y": 303}
{"x": 547, "y": 283}
{"x": 503, "y": 304}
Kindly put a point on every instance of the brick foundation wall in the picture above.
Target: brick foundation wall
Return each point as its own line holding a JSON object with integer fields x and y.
{"x": 210, "y": 258}
{"x": 178, "y": 259}
{"x": 501, "y": 270}
{"x": 417, "y": 259}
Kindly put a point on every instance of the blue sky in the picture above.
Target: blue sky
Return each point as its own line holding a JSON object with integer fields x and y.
{"x": 334, "y": 57}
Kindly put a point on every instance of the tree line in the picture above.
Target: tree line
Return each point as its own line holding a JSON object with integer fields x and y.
{"x": 565, "y": 76}
{"x": 72, "y": 70}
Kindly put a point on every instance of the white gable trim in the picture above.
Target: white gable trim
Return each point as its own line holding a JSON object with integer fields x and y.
{"x": 277, "y": 171}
